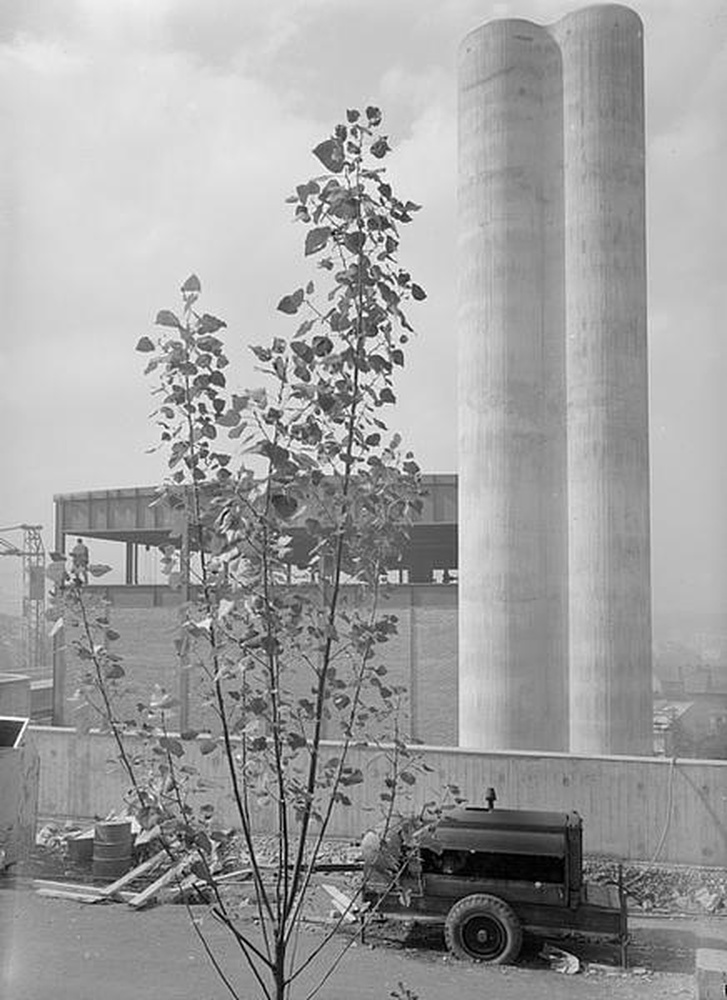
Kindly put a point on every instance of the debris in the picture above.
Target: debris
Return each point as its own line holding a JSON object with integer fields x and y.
{"x": 48, "y": 836}
{"x": 709, "y": 901}
{"x": 664, "y": 888}
{"x": 43, "y": 883}
{"x": 190, "y": 884}
{"x": 146, "y": 836}
{"x": 607, "y": 970}
{"x": 76, "y": 895}
{"x": 81, "y": 834}
{"x": 142, "y": 869}
{"x": 244, "y": 874}
{"x": 560, "y": 960}
{"x": 148, "y": 894}
{"x": 343, "y": 903}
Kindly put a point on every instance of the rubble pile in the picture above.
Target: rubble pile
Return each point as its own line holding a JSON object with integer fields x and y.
{"x": 664, "y": 888}
{"x": 331, "y": 853}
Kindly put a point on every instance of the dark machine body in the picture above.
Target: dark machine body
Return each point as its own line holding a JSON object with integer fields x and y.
{"x": 490, "y": 874}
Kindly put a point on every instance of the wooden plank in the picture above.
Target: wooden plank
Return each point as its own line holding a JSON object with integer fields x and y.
{"x": 189, "y": 883}
{"x": 343, "y": 903}
{"x": 198, "y": 882}
{"x": 146, "y": 866}
{"x": 242, "y": 873}
{"x": 142, "y": 898}
{"x": 83, "y": 835}
{"x": 78, "y": 897}
{"x": 43, "y": 883}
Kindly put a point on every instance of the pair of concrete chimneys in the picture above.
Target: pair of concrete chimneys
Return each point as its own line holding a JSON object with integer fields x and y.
{"x": 554, "y": 579}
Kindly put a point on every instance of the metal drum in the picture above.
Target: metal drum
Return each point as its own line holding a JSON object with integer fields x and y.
{"x": 111, "y": 849}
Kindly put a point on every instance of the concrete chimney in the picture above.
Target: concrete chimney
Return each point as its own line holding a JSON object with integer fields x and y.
{"x": 555, "y": 636}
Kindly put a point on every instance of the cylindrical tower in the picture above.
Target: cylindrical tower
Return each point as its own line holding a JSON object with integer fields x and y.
{"x": 512, "y": 529}
{"x": 606, "y": 376}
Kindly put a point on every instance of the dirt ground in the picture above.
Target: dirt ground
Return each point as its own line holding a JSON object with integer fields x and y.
{"x": 52, "y": 948}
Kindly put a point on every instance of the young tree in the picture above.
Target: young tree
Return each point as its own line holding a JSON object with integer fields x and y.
{"x": 300, "y": 477}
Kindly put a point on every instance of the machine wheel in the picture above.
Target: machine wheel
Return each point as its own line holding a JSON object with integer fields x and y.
{"x": 483, "y": 928}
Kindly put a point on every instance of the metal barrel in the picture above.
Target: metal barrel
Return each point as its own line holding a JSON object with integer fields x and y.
{"x": 111, "y": 849}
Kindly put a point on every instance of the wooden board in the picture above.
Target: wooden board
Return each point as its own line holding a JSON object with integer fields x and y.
{"x": 77, "y": 896}
{"x": 142, "y": 869}
{"x": 142, "y": 898}
{"x": 89, "y": 890}
{"x": 343, "y": 903}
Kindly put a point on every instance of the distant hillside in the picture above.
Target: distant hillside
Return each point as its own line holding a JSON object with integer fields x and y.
{"x": 684, "y": 639}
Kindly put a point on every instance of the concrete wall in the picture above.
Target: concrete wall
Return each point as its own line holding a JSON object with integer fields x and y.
{"x": 15, "y": 695}
{"x": 629, "y": 804}
{"x": 422, "y": 657}
{"x": 19, "y": 783}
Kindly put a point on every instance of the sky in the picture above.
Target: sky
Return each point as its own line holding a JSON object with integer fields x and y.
{"x": 143, "y": 140}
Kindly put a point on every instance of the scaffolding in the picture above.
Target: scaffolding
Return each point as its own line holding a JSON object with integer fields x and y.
{"x": 32, "y": 554}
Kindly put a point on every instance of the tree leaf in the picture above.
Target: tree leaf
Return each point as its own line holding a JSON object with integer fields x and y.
{"x": 114, "y": 672}
{"x": 162, "y": 700}
{"x": 99, "y": 569}
{"x": 207, "y": 746}
{"x": 210, "y": 324}
{"x": 284, "y": 506}
{"x": 331, "y": 155}
{"x": 291, "y": 303}
{"x": 167, "y": 318}
{"x": 192, "y": 284}
{"x": 316, "y": 239}
{"x": 355, "y": 241}
{"x": 374, "y": 115}
{"x": 418, "y": 293}
{"x": 144, "y": 344}
{"x": 224, "y": 608}
{"x": 172, "y": 746}
{"x": 380, "y": 148}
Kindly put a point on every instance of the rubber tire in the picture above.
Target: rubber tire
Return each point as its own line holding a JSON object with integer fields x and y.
{"x": 496, "y": 920}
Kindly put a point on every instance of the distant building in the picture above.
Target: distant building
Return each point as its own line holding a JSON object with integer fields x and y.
{"x": 690, "y": 716}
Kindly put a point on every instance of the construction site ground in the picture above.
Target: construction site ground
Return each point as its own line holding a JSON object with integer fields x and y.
{"x": 70, "y": 951}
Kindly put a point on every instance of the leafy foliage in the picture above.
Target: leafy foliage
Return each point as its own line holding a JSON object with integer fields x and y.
{"x": 297, "y": 477}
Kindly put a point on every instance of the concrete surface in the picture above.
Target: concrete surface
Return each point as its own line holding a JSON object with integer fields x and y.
{"x": 711, "y": 974}
{"x": 52, "y": 948}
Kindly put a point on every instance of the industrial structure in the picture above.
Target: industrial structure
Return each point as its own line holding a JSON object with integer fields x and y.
{"x": 32, "y": 553}
{"x": 422, "y": 657}
{"x": 551, "y": 507}
{"x": 554, "y": 601}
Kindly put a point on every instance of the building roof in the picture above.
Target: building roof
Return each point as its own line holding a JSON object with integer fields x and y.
{"x": 138, "y": 515}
